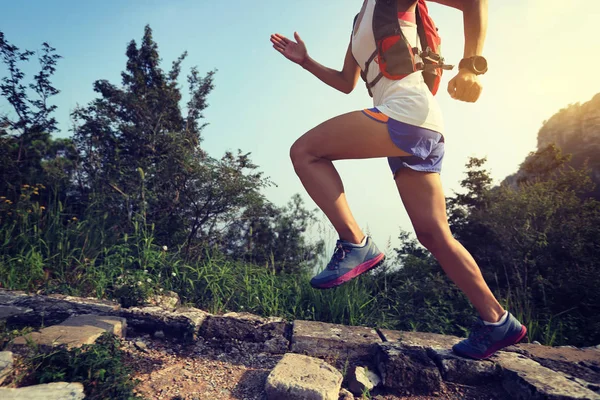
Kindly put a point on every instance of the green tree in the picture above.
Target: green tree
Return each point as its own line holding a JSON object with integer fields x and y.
{"x": 141, "y": 154}
{"x": 27, "y": 151}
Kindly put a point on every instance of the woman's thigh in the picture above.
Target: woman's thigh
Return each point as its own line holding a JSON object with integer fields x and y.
{"x": 348, "y": 136}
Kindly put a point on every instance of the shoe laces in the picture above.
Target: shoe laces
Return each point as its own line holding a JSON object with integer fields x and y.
{"x": 339, "y": 254}
{"x": 480, "y": 333}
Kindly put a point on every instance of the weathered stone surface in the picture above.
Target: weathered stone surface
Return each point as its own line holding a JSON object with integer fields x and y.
{"x": 408, "y": 369}
{"x": 420, "y": 339}
{"x": 168, "y": 300}
{"x": 439, "y": 348}
{"x": 319, "y": 339}
{"x": 54, "y": 308}
{"x": 183, "y": 323}
{"x": 346, "y": 395}
{"x": 249, "y": 328}
{"x": 49, "y": 391}
{"x": 11, "y": 313}
{"x": 361, "y": 379}
{"x": 298, "y": 377}
{"x": 75, "y": 331}
{"x": 583, "y": 364}
{"x": 463, "y": 370}
{"x": 6, "y": 365}
{"x": 523, "y": 379}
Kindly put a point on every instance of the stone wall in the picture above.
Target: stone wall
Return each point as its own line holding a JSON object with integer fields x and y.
{"x": 407, "y": 362}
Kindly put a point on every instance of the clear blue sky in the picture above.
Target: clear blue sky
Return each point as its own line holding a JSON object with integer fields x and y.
{"x": 262, "y": 102}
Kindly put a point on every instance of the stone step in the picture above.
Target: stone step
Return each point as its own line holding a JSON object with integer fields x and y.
{"x": 74, "y": 331}
{"x": 524, "y": 379}
{"x": 299, "y": 377}
{"x": 319, "y": 339}
{"x": 48, "y": 391}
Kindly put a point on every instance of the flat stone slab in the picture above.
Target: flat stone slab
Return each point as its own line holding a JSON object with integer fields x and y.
{"x": 54, "y": 308}
{"x": 299, "y": 377}
{"x": 319, "y": 339}
{"x": 11, "y": 312}
{"x": 48, "y": 391}
{"x": 248, "y": 328}
{"x": 439, "y": 349}
{"x": 582, "y": 364}
{"x": 523, "y": 378}
{"x": 75, "y": 331}
{"x": 183, "y": 323}
{"x": 6, "y": 365}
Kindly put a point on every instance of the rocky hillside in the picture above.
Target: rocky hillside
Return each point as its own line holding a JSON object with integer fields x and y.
{"x": 575, "y": 130}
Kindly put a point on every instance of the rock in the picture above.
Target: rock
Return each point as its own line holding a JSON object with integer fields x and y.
{"x": 168, "y": 301}
{"x": 6, "y": 365}
{"x": 319, "y": 339}
{"x": 298, "y": 377}
{"x": 159, "y": 334}
{"x": 523, "y": 378}
{"x": 439, "y": 348}
{"x": 463, "y": 370}
{"x": 345, "y": 395}
{"x": 11, "y": 313}
{"x": 74, "y": 332}
{"x": 54, "y": 308}
{"x": 536, "y": 342}
{"x": 141, "y": 346}
{"x": 49, "y": 391}
{"x": 408, "y": 369}
{"x": 184, "y": 323}
{"x": 362, "y": 379}
{"x": 248, "y": 328}
{"x": 583, "y": 364}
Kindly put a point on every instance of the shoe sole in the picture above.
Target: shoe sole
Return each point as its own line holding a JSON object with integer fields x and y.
{"x": 358, "y": 270}
{"x": 497, "y": 346}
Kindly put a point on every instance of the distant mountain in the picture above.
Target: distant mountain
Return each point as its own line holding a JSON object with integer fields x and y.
{"x": 575, "y": 130}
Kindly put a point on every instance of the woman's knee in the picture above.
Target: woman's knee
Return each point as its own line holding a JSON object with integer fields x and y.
{"x": 433, "y": 238}
{"x": 301, "y": 153}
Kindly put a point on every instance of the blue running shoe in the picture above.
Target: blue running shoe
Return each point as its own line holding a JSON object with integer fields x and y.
{"x": 348, "y": 261}
{"x": 484, "y": 340}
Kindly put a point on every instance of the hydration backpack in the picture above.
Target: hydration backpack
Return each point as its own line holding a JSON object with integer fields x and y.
{"x": 394, "y": 54}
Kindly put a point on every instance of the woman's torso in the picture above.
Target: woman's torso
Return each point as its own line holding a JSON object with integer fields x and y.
{"x": 407, "y": 100}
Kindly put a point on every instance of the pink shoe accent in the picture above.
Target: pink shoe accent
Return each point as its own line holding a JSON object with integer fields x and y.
{"x": 360, "y": 269}
{"x": 502, "y": 344}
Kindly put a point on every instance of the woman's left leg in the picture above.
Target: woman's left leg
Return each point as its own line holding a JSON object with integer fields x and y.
{"x": 424, "y": 200}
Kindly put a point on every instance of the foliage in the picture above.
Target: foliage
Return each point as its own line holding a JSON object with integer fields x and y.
{"x": 99, "y": 367}
{"x": 537, "y": 244}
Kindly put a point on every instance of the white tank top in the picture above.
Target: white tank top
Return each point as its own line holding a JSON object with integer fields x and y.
{"x": 407, "y": 100}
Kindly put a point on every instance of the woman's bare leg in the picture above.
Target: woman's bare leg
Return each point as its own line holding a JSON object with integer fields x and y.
{"x": 425, "y": 203}
{"x": 348, "y": 136}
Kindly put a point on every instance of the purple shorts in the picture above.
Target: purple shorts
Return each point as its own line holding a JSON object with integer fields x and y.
{"x": 426, "y": 147}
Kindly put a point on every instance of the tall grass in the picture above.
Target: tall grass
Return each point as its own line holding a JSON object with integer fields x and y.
{"x": 52, "y": 251}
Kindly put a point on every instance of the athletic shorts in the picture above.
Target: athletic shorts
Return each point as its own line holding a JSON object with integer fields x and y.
{"x": 426, "y": 147}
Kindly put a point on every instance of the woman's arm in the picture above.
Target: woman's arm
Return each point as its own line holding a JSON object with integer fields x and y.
{"x": 475, "y": 15}
{"x": 344, "y": 80}
{"x": 466, "y": 85}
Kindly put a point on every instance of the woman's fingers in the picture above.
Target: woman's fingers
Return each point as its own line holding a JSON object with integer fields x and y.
{"x": 282, "y": 38}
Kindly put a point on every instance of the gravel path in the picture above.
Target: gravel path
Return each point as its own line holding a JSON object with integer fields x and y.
{"x": 228, "y": 371}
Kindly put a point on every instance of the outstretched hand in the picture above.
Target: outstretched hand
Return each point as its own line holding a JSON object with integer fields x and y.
{"x": 293, "y": 51}
{"x": 465, "y": 86}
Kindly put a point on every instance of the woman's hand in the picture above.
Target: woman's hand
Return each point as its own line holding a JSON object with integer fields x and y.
{"x": 293, "y": 51}
{"x": 465, "y": 86}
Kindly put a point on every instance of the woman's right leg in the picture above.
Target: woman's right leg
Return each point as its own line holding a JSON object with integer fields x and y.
{"x": 348, "y": 136}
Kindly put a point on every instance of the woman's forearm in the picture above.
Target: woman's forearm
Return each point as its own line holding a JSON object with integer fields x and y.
{"x": 475, "y": 14}
{"x": 329, "y": 76}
